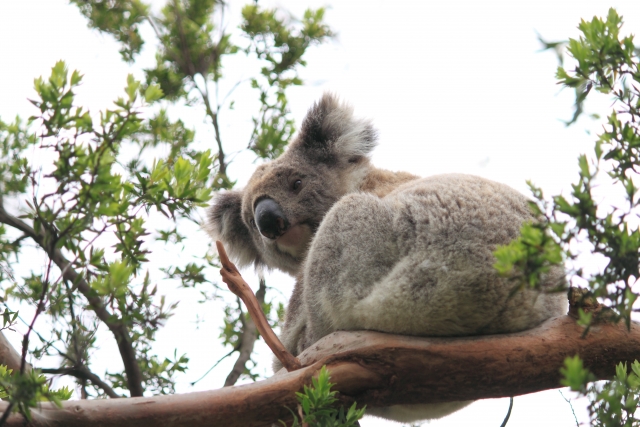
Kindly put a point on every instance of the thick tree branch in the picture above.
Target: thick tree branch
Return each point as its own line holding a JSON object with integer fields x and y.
{"x": 231, "y": 276}
{"x": 120, "y": 332}
{"x": 375, "y": 369}
{"x": 247, "y": 341}
{"x": 9, "y": 356}
{"x": 85, "y": 374}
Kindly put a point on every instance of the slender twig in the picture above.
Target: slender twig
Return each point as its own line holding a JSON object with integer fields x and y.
{"x": 39, "y": 309}
{"x": 39, "y": 335}
{"x": 19, "y": 239}
{"x": 571, "y": 406}
{"x": 506, "y": 418}
{"x": 235, "y": 86}
{"x": 232, "y": 277}
{"x": 214, "y": 365}
{"x": 25, "y": 339}
{"x": 155, "y": 28}
{"x": 222, "y": 165}
{"x": 6, "y": 413}
{"x": 247, "y": 340}
{"x": 74, "y": 337}
{"x": 81, "y": 372}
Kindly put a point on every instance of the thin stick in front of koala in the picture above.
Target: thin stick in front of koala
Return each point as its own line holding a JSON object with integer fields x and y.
{"x": 232, "y": 277}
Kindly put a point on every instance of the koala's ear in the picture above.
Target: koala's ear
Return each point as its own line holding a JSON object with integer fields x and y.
{"x": 225, "y": 224}
{"x": 329, "y": 132}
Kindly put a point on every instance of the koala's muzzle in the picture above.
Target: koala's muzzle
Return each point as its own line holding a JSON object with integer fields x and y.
{"x": 270, "y": 219}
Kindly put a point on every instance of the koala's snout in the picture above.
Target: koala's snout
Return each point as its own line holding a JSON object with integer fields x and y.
{"x": 270, "y": 219}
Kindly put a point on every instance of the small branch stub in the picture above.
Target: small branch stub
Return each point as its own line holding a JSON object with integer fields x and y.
{"x": 231, "y": 276}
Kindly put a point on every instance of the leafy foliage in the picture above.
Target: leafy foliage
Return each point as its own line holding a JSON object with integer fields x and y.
{"x": 607, "y": 62}
{"x": 25, "y": 391}
{"x": 84, "y": 191}
{"x": 613, "y": 403}
{"x": 273, "y": 41}
{"x": 318, "y": 405}
{"x": 120, "y": 18}
{"x": 87, "y": 198}
{"x": 8, "y": 318}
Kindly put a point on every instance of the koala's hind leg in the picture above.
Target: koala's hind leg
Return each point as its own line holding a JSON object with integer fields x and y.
{"x": 353, "y": 249}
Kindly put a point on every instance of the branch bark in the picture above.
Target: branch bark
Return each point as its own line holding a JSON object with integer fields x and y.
{"x": 119, "y": 331}
{"x": 12, "y": 360}
{"x": 378, "y": 370}
{"x": 9, "y": 356}
{"x": 232, "y": 277}
{"x": 84, "y": 374}
{"x": 247, "y": 341}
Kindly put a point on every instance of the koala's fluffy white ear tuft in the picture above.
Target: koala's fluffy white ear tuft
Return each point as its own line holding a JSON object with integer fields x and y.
{"x": 332, "y": 133}
{"x": 225, "y": 224}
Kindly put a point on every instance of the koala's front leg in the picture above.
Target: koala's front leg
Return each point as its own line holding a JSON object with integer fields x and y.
{"x": 354, "y": 248}
{"x": 295, "y": 333}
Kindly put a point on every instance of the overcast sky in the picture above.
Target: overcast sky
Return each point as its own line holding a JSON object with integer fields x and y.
{"x": 453, "y": 86}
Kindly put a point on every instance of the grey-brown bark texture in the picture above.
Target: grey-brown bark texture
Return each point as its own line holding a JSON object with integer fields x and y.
{"x": 8, "y": 355}
{"x": 378, "y": 370}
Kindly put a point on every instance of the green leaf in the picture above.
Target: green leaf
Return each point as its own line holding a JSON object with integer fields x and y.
{"x": 152, "y": 93}
{"x": 575, "y": 376}
{"x": 76, "y": 78}
{"x": 132, "y": 88}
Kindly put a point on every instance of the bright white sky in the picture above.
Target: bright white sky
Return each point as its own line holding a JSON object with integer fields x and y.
{"x": 453, "y": 86}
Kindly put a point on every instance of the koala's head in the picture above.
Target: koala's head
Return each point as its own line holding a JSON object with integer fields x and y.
{"x": 272, "y": 221}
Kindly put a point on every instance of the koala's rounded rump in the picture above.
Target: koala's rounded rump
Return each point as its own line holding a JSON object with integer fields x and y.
{"x": 419, "y": 261}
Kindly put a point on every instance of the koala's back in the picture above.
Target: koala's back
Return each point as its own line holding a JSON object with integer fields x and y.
{"x": 418, "y": 261}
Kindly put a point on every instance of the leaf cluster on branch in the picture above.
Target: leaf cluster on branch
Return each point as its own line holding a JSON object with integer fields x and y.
{"x": 85, "y": 191}
{"x": 606, "y": 62}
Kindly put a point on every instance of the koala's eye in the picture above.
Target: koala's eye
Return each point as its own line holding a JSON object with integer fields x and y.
{"x": 253, "y": 223}
{"x": 296, "y": 185}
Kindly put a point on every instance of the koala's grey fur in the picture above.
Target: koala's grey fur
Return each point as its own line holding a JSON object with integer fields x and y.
{"x": 373, "y": 249}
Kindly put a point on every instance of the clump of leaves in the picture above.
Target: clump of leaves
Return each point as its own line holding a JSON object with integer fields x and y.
{"x": 613, "y": 403}
{"x": 281, "y": 45}
{"x": 84, "y": 196}
{"x": 8, "y": 318}
{"x": 25, "y": 391}
{"x": 85, "y": 190}
{"x": 318, "y": 404}
{"x": 607, "y": 63}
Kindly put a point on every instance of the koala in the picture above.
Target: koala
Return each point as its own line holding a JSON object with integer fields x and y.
{"x": 379, "y": 250}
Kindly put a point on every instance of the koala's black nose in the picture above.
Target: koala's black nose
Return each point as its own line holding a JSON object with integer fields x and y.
{"x": 270, "y": 219}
